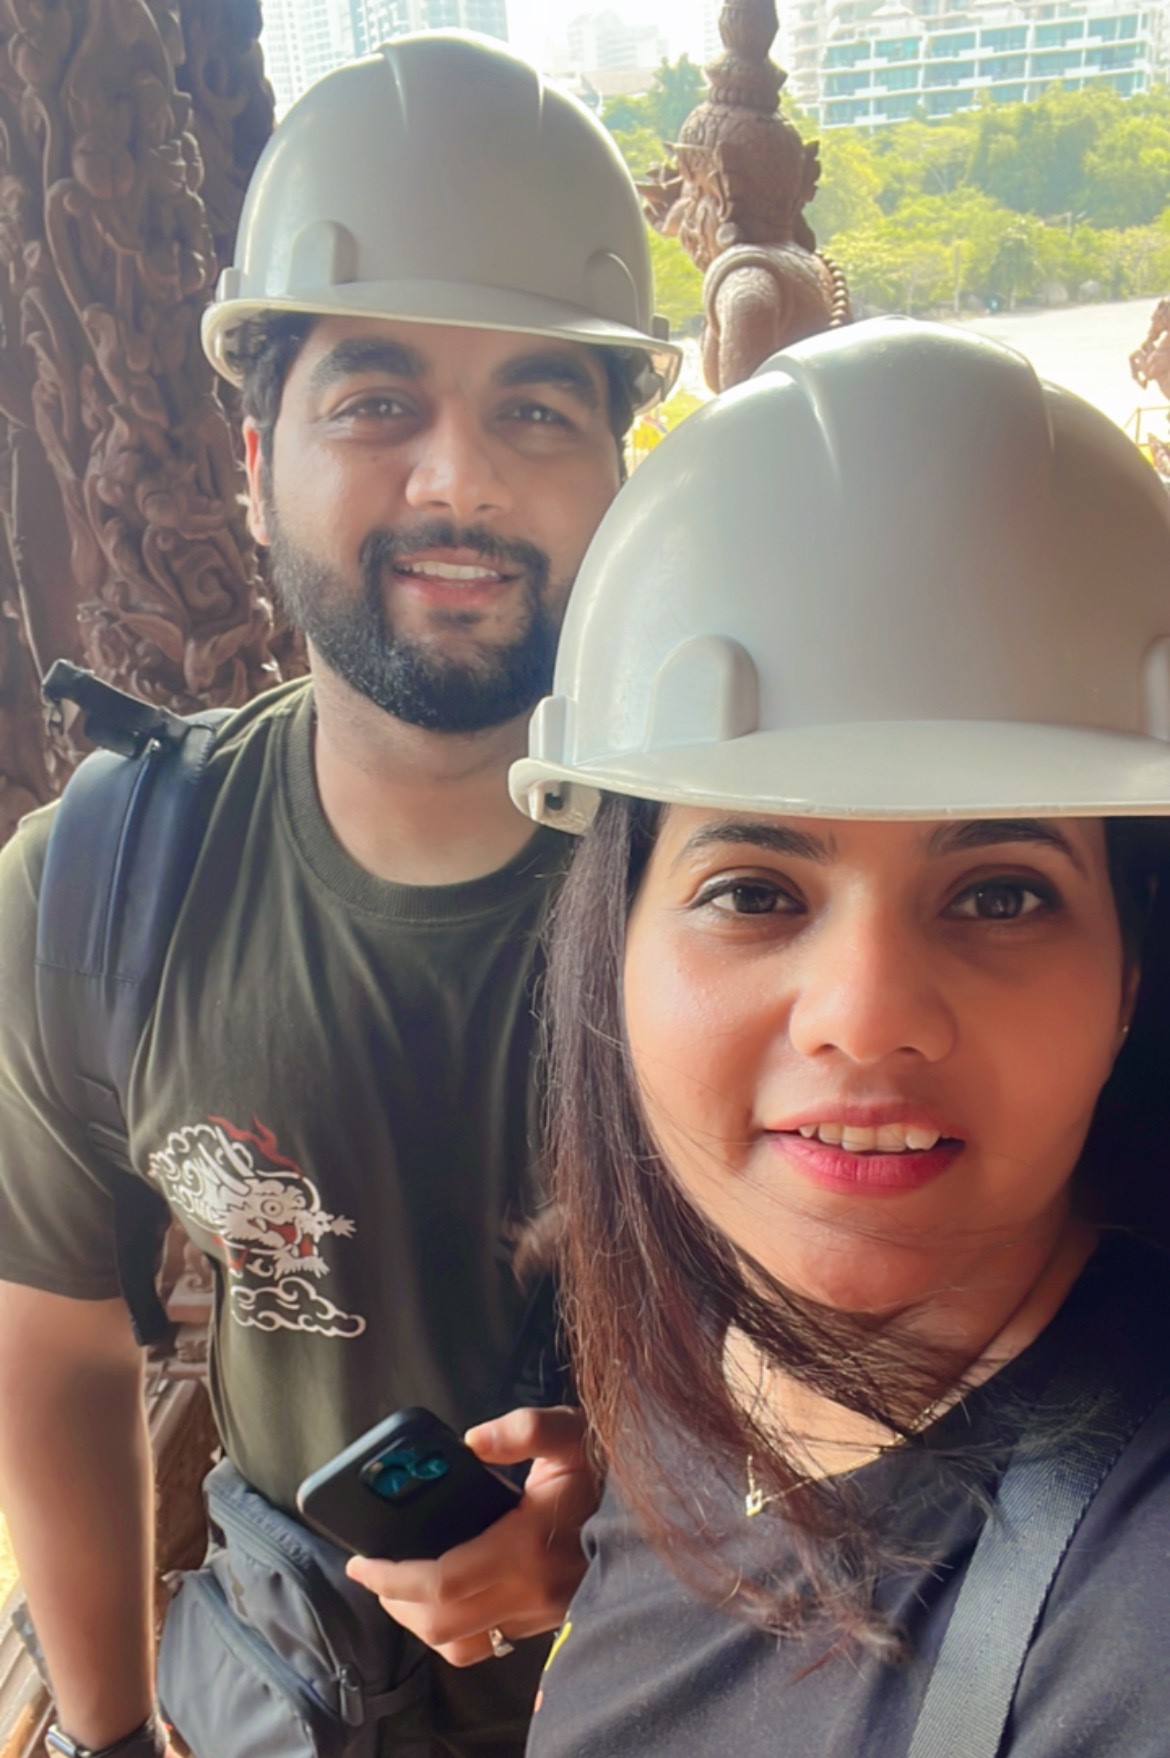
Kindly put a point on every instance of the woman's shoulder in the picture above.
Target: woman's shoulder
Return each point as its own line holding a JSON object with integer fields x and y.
{"x": 1095, "y": 1680}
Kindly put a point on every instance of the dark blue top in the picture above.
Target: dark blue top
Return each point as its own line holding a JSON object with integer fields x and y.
{"x": 645, "y": 1669}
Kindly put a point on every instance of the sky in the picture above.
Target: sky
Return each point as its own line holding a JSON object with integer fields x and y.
{"x": 531, "y": 21}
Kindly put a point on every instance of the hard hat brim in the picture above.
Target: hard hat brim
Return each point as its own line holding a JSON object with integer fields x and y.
{"x": 447, "y": 302}
{"x": 873, "y": 770}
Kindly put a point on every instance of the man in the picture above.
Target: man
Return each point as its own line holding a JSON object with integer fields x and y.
{"x": 440, "y": 320}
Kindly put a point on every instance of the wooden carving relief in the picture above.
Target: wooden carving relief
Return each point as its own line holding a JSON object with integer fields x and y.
{"x": 128, "y": 130}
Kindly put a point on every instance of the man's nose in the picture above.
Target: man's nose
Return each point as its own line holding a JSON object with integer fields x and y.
{"x": 455, "y": 469}
{"x": 869, "y": 990}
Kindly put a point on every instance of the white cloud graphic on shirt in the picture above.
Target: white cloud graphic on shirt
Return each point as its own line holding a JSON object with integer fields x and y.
{"x": 267, "y": 1216}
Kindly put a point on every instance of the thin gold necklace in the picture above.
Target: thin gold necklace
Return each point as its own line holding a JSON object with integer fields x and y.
{"x": 757, "y": 1499}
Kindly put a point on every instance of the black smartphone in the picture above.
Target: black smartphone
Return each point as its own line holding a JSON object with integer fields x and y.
{"x": 409, "y": 1488}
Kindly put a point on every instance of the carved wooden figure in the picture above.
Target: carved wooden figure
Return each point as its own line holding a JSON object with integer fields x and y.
{"x": 736, "y": 200}
{"x": 1151, "y": 362}
{"x": 128, "y": 129}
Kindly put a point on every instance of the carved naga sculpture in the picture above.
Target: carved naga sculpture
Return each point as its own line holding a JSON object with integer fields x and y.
{"x": 736, "y": 201}
{"x": 1151, "y": 362}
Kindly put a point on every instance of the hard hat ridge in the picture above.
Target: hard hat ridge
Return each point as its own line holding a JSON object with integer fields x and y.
{"x": 893, "y": 575}
{"x": 441, "y": 181}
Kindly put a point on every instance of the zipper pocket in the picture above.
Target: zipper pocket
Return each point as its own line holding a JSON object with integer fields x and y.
{"x": 293, "y": 1565}
{"x": 319, "y": 1724}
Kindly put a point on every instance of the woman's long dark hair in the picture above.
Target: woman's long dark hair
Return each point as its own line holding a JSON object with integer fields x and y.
{"x": 651, "y": 1287}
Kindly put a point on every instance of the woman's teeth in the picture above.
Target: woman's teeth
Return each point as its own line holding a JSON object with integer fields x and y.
{"x": 889, "y": 1138}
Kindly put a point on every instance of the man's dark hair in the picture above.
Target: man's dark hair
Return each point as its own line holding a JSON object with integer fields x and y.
{"x": 264, "y": 350}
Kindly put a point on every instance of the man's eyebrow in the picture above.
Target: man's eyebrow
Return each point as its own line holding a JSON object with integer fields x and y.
{"x": 776, "y": 839}
{"x": 979, "y": 833}
{"x": 550, "y": 367}
{"x": 366, "y": 354}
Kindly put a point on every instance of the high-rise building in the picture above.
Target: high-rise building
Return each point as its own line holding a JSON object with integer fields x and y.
{"x": 863, "y": 63}
{"x": 601, "y": 42}
{"x": 302, "y": 40}
{"x": 376, "y": 21}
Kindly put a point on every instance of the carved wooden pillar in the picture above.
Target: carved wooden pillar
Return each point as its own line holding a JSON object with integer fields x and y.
{"x": 128, "y": 130}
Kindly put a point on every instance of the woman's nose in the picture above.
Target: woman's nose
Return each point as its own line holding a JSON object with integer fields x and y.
{"x": 869, "y": 990}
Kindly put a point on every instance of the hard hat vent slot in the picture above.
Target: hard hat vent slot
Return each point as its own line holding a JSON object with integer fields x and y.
{"x": 706, "y": 693}
{"x": 1156, "y": 689}
{"x": 609, "y": 288}
{"x": 324, "y": 254}
{"x": 550, "y": 729}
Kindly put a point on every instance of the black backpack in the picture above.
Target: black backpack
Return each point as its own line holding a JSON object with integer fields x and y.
{"x": 122, "y": 849}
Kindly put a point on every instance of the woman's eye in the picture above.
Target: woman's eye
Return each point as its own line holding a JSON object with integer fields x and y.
{"x": 1000, "y": 900}
{"x": 747, "y": 897}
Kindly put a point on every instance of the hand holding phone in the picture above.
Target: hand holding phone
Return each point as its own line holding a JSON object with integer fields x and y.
{"x": 408, "y": 1489}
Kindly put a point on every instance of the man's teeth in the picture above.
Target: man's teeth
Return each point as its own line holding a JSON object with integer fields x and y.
{"x": 889, "y": 1138}
{"x": 449, "y": 571}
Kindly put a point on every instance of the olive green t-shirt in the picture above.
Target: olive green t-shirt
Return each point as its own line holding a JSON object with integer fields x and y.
{"x": 335, "y": 1095}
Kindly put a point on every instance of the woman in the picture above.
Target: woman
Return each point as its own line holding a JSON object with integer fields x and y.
{"x": 861, "y": 1009}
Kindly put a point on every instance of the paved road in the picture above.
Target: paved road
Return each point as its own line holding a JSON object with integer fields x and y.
{"x": 1085, "y": 347}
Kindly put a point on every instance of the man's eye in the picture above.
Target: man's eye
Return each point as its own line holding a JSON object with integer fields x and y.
{"x": 537, "y": 415}
{"x": 381, "y": 408}
{"x": 1000, "y": 900}
{"x": 746, "y": 897}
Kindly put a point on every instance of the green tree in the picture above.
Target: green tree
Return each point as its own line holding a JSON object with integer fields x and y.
{"x": 678, "y": 285}
{"x": 1031, "y": 157}
{"x": 923, "y": 158}
{"x": 678, "y": 87}
{"x": 1016, "y": 266}
{"x": 624, "y": 115}
{"x": 1126, "y": 176}
{"x": 847, "y": 195}
{"x": 1137, "y": 261}
{"x": 894, "y": 270}
{"x": 640, "y": 147}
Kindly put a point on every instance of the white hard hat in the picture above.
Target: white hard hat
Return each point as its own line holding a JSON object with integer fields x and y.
{"x": 441, "y": 181}
{"x": 891, "y": 576}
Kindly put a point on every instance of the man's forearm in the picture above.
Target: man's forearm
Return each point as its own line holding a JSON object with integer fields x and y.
{"x": 76, "y": 1489}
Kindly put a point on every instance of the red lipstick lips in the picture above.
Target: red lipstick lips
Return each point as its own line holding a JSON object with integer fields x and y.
{"x": 871, "y": 1150}
{"x": 865, "y": 1174}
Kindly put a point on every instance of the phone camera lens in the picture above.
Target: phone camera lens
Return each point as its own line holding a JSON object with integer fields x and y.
{"x": 390, "y": 1480}
{"x": 431, "y": 1466}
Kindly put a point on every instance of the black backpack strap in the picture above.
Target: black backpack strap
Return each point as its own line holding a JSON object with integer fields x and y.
{"x": 1041, "y": 1502}
{"x": 538, "y": 1372}
{"x": 123, "y": 845}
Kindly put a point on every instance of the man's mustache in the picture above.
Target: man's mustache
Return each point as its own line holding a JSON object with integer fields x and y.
{"x": 386, "y": 548}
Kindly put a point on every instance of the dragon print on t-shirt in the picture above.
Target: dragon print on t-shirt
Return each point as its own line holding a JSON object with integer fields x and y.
{"x": 266, "y": 1223}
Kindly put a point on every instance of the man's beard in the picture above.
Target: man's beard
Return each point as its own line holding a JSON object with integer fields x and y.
{"x": 404, "y": 677}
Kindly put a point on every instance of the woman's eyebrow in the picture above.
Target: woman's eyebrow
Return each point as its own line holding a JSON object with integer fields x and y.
{"x": 777, "y": 839}
{"x": 951, "y": 839}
